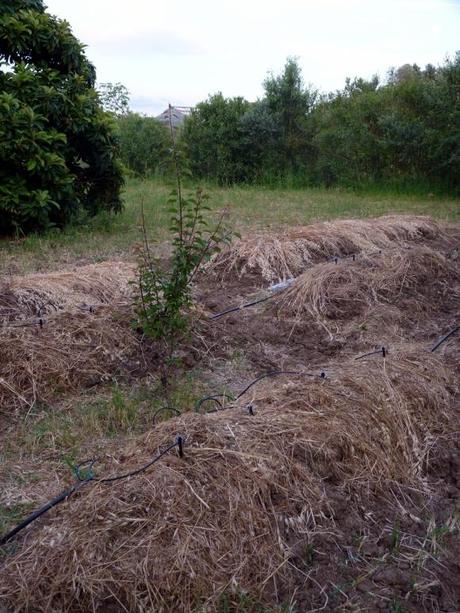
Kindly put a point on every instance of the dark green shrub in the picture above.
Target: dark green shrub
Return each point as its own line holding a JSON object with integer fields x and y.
{"x": 144, "y": 144}
{"x": 213, "y": 136}
{"x": 57, "y": 146}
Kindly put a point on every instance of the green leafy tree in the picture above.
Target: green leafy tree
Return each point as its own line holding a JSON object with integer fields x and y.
{"x": 290, "y": 102}
{"x": 346, "y": 134}
{"x": 114, "y": 98}
{"x": 57, "y": 145}
{"x": 144, "y": 144}
{"x": 260, "y": 135}
{"x": 405, "y": 132}
{"x": 213, "y": 137}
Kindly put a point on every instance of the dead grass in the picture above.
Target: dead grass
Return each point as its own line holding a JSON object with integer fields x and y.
{"x": 346, "y": 289}
{"x": 40, "y": 294}
{"x": 287, "y": 254}
{"x": 264, "y": 508}
{"x": 86, "y": 337}
{"x": 71, "y": 351}
{"x": 227, "y": 517}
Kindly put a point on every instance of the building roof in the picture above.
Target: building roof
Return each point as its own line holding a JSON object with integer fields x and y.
{"x": 177, "y": 115}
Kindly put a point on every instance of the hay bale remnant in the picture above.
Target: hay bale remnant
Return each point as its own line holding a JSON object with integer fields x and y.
{"x": 42, "y": 294}
{"x": 344, "y": 290}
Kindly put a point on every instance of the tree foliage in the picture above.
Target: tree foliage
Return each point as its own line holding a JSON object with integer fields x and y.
{"x": 404, "y": 131}
{"x": 214, "y": 138}
{"x": 289, "y": 103}
{"x": 58, "y": 149}
{"x": 144, "y": 144}
{"x": 114, "y": 98}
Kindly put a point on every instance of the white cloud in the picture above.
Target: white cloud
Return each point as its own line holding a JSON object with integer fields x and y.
{"x": 180, "y": 51}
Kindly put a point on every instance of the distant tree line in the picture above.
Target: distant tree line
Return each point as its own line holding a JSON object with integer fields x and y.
{"x": 403, "y": 132}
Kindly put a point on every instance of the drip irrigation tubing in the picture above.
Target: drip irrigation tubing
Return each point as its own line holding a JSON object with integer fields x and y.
{"x": 44, "y": 509}
{"x": 41, "y": 320}
{"x": 163, "y": 410}
{"x": 444, "y": 338}
{"x": 334, "y": 258}
{"x": 81, "y": 481}
{"x": 179, "y": 442}
{"x": 213, "y": 398}
{"x": 242, "y": 306}
{"x": 383, "y": 351}
{"x": 273, "y": 373}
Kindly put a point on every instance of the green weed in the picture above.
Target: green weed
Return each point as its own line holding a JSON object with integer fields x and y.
{"x": 11, "y": 515}
{"x": 395, "y": 537}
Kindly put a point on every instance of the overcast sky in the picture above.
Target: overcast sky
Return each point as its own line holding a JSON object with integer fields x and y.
{"x": 180, "y": 51}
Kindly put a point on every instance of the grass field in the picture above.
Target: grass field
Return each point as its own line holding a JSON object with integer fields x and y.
{"x": 114, "y": 236}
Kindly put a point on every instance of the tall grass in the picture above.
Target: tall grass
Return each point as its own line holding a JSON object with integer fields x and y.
{"x": 109, "y": 236}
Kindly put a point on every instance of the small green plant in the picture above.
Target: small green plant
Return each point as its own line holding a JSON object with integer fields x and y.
{"x": 122, "y": 413}
{"x": 396, "y": 607}
{"x": 164, "y": 295}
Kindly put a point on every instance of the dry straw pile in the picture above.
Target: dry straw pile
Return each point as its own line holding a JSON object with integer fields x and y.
{"x": 416, "y": 279}
{"x": 41, "y": 294}
{"x": 286, "y": 255}
{"x": 71, "y": 351}
{"x": 251, "y": 490}
{"x": 75, "y": 347}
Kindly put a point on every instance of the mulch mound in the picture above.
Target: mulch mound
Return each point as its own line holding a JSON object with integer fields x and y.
{"x": 274, "y": 257}
{"x": 246, "y": 511}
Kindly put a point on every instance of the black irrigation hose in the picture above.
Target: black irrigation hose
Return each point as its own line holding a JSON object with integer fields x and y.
{"x": 214, "y": 398}
{"x": 49, "y": 505}
{"x": 41, "y": 322}
{"x": 444, "y": 338}
{"x": 52, "y": 503}
{"x": 381, "y": 351}
{"x": 273, "y": 373}
{"x": 173, "y": 409}
{"x": 179, "y": 442}
{"x": 241, "y": 307}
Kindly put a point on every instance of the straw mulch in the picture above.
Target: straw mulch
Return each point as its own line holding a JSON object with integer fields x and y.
{"x": 41, "y": 294}
{"x": 71, "y": 351}
{"x": 230, "y": 517}
{"x": 347, "y": 289}
{"x": 285, "y": 255}
{"x": 86, "y": 335}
